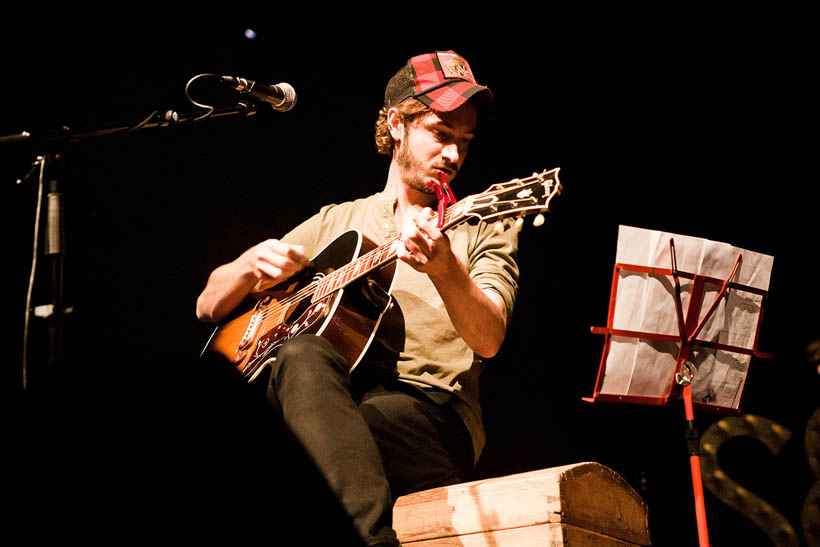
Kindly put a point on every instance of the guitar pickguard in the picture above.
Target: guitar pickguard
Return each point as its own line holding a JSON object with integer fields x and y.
{"x": 268, "y": 344}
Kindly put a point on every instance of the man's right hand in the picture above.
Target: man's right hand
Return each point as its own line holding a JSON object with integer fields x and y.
{"x": 262, "y": 266}
{"x": 274, "y": 261}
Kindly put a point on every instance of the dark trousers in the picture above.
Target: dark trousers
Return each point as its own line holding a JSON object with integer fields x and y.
{"x": 371, "y": 444}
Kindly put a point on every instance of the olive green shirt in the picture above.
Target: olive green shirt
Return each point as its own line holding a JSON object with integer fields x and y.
{"x": 428, "y": 353}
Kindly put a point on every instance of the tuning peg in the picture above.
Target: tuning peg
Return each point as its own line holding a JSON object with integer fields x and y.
{"x": 498, "y": 228}
{"x": 539, "y": 220}
{"x": 519, "y": 223}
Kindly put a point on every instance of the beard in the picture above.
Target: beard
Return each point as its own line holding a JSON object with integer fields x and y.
{"x": 412, "y": 170}
{"x": 414, "y": 174}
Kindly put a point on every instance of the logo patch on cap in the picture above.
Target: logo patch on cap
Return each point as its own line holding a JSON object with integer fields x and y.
{"x": 453, "y": 66}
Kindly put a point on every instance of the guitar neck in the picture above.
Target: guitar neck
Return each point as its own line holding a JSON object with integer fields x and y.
{"x": 380, "y": 256}
{"x": 517, "y": 197}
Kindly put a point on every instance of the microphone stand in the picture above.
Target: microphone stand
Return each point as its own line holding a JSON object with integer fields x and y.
{"x": 66, "y": 135}
{"x": 53, "y": 139}
{"x": 55, "y": 233}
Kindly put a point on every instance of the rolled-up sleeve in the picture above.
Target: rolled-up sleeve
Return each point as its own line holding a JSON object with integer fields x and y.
{"x": 492, "y": 262}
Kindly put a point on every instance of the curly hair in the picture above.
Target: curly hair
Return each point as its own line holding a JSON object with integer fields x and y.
{"x": 409, "y": 110}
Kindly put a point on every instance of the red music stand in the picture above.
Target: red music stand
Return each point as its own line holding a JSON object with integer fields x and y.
{"x": 687, "y": 343}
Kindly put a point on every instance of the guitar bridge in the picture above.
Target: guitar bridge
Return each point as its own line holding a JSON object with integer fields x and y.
{"x": 252, "y": 328}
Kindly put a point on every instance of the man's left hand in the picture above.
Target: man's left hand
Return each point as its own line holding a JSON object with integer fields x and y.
{"x": 424, "y": 246}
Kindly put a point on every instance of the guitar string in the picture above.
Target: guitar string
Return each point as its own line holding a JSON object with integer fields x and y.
{"x": 384, "y": 249}
{"x": 310, "y": 289}
{"x": 276, "y": 309}
{"x": 449, "y": 211}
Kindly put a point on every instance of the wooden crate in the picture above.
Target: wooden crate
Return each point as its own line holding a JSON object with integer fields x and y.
{"x": 583, "y": 504}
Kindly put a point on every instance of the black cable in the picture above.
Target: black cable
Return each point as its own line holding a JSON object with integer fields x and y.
{"x": 209, "y": 108}
{"x": 42, "y": 161}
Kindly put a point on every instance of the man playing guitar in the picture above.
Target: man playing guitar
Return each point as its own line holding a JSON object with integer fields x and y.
{"x": 405, "y": 415}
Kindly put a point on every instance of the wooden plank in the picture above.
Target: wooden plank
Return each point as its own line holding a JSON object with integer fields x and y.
{"x": 546, "y": 535}
{"x": 479, "y": 506}
{"x": 585, "y": 495}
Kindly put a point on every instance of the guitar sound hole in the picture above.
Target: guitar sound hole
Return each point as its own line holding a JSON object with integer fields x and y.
{"x": 298, "y": 311}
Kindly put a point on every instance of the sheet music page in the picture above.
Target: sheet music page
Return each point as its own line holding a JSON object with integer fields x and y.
{"x": 646, "y": 303}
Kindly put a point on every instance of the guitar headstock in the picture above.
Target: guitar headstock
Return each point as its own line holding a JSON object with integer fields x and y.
{"x": 516, "y": 198}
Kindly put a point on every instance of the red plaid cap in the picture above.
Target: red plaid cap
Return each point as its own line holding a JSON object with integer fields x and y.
{"x": 441, "y": 80}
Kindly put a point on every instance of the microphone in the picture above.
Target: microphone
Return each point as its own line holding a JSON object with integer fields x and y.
{"x": 281, "y": 96}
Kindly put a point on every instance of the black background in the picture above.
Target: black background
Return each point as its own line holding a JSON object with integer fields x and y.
{"x": 696, "y": 128}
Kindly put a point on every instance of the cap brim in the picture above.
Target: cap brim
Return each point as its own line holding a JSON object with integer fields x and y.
{"x": 454, "y": 94}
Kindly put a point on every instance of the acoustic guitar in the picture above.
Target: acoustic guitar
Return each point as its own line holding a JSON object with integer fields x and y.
{"x": 344, "y": 293}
